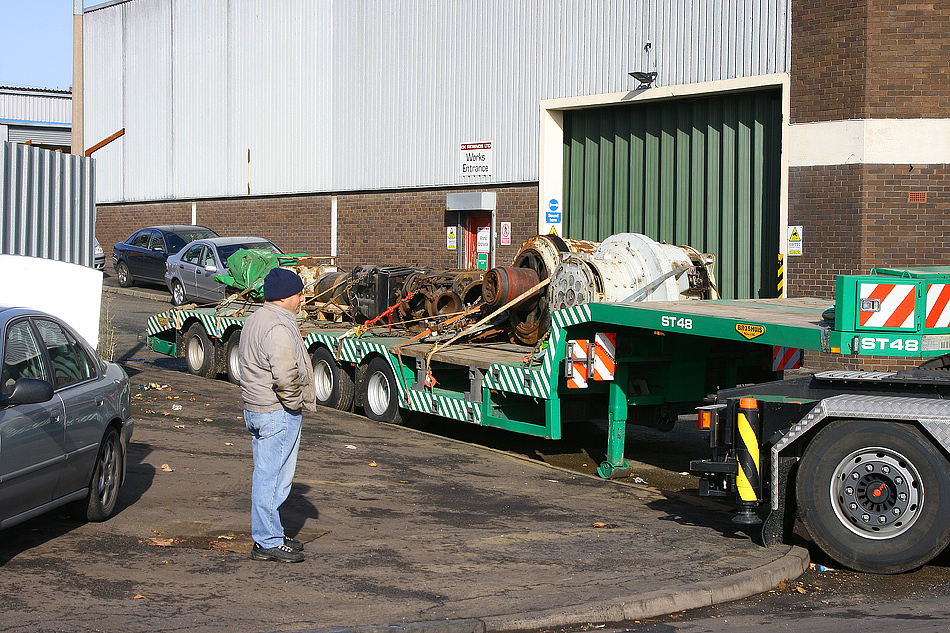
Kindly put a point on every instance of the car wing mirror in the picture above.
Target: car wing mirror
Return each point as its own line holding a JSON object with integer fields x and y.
{"x": 28, "y": 391}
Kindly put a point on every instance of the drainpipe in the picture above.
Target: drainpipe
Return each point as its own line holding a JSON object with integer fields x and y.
{"x": 76, "y": 135}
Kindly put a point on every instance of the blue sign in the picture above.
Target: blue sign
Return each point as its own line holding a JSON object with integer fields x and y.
{"x": 553, "y": 217}
{"x": 554, "y": 205}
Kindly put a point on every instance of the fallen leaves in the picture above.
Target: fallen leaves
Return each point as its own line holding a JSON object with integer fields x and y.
{"x": 167, "y": 469}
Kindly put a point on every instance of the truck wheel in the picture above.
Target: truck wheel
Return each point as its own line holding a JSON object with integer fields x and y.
{"x": 199, "y": 352}
{"x": 125, "y": 277}
{"x": 875, "y": 496}
{"x": 380, "y": 393}
{"x": 334, "y": 387}
{"x": 233, "y": 357}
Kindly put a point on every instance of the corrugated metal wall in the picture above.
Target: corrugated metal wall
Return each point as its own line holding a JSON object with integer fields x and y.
{"x": 697, "y": 172}
{"x": 222, "y": 97}
{"x": 47, "y": 204}
{"x": 31, "y": 105}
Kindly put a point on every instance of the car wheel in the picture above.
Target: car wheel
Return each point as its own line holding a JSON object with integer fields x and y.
{"x": 233, "y": 355}
{"x": 381, "y": 394}
{"x": 178, "y": 293}
{"x": 875, "y": 495}
{"x": 125, "y": 278}
{"x": 333, "y": 385}
{"x": 106, "y": 478}
{"x": 199, "y": 352}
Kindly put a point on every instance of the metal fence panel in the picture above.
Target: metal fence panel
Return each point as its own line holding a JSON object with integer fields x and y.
{"x": 47, "y": 204}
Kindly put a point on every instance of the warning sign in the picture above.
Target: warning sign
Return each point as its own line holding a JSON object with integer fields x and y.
{"x": 795, "y": 240}
{"x": 506, "y": 233}
{"x": 451, "y": 239}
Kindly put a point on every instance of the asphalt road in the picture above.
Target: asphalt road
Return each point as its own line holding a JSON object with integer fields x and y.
{"x": 60, "y": 549}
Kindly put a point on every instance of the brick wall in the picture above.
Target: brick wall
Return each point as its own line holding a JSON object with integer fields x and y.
{"x": 382, "y": 228}
{"x": 869, "y": 59}
{"x": 858, "y": 217}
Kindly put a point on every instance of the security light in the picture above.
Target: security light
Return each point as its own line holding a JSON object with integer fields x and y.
{"x": 645, "y": 79}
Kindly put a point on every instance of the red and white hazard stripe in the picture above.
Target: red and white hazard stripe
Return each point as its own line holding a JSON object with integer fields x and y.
{"x": 938, "y": 299}
{"x": 604, "y": 361}
{"x": 578, "y": 377}
{"x": 897, "y": 304}
{"x": 786, "y": 358}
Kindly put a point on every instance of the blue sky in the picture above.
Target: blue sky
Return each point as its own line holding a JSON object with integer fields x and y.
{"x": 36, "y": 48}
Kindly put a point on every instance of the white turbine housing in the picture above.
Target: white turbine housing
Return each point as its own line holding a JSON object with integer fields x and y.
{"x": 631, "y": 267}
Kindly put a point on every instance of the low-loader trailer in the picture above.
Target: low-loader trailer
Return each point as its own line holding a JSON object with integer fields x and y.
{"x": 860, "y": 457}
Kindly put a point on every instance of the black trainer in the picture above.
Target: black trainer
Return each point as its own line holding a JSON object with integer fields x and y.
{"x": 293, "y": 544}
{"x": 280, "y": 554}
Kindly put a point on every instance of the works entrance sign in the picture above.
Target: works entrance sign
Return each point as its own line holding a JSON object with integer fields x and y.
{"x": 475, "y": 159}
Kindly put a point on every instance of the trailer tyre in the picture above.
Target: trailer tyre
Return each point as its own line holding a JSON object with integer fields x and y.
{"x": 233, "y": 357}
{"x": 199, "y": 352}
{"x": 333, "y": 385}
{"x": 875, "y": 495}
{"x": 380, "y": 395}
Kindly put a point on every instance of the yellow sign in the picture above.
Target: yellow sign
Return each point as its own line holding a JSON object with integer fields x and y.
{"x": 553, "y": 231}
{"x": 794, "y": 236}
{"x": 750, "y": 331}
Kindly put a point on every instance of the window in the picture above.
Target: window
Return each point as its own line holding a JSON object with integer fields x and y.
{"x": 156, "y": 243}
{"x": 192, "y": 255}
{"x": 140, "y": 240}
{"x": 70, "y": 363}
{"x": 21, "y": 356}
{"x": 208, "y": 257}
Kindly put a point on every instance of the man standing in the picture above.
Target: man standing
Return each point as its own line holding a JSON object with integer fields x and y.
{"x": 276, "y": 385}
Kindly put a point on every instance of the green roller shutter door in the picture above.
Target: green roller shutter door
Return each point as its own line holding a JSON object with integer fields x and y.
{"x": 697, "y": 172}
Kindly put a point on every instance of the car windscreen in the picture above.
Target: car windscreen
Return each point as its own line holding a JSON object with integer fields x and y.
{"x": 230, "y": 249}
{"x": 175, "y": 241}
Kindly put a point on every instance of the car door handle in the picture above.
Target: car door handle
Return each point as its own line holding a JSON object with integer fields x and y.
{"x": 99, "y": 401}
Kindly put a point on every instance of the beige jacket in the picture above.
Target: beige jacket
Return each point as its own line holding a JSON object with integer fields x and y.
{"x": 275, "y": 367}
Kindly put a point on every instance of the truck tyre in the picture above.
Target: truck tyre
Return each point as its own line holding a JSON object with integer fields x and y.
{"x": 380, "y": 395}
{"x": 233, "y": 357}
{"x": 106, "y": 478}
{"x": 875, "y": 495}
{"x": 199, "y": 352}
{"x": 125, "y": 277}
{"x": 333, "y": 385}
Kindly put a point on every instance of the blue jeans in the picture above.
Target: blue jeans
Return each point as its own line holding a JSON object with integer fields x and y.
{"x": 275, "y": 440}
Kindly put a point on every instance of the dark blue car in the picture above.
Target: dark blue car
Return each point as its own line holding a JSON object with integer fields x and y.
{"x": 142, "y": 256}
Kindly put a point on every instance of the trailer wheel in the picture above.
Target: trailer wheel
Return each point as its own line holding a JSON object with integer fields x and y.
{"x": 380, "y": 393}
{"x": 875, "y": 496}
{"x": 233, "y": 357}
{"x": 199, "y": 352}
{"x": 333, "y": 385}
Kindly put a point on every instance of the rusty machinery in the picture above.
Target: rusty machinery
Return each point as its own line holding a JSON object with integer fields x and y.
{"x": 630, "y": 267}
{"x": 536, "y": 259}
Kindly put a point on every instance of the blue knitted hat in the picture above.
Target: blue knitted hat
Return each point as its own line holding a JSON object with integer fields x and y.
{"x": 281, "y": 283}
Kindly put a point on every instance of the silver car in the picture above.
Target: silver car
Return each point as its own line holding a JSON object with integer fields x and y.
{"x": 65, "y": 421}
{"x": 190, "y": 273}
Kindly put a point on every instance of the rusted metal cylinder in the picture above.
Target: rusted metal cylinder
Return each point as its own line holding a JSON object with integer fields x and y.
{"x": 446, "y": 303}
{"x": 331, "y": 288}
{"x": 504, "y": 283}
